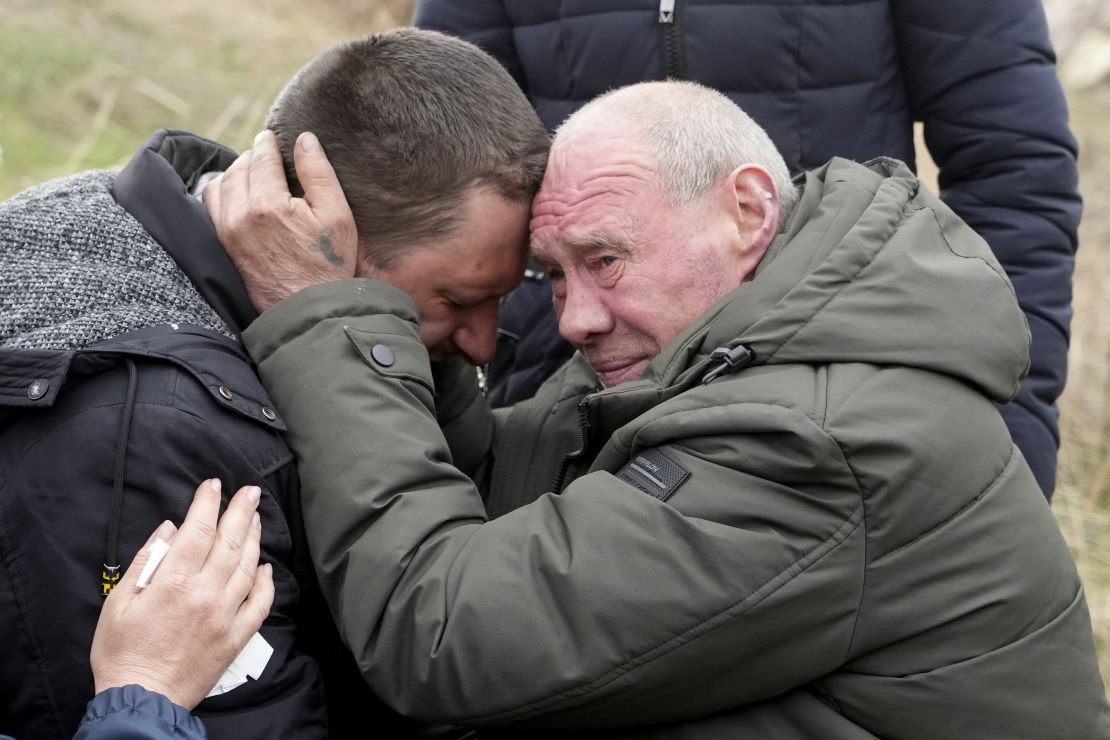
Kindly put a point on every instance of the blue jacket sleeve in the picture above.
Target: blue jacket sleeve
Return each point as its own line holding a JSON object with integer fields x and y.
{"x": 484, "y": 23}
{"x": 981, "y": 77}
{"x": 133, "y": 713}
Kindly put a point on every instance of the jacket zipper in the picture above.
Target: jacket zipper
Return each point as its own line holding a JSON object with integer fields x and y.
{"x": 583, "y": 441}
{"x": 671, "y": 26}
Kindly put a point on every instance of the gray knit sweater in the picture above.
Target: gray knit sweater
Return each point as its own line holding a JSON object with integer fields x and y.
{"x": 76, "y": 268}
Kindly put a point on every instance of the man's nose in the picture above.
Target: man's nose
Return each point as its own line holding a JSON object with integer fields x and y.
{"x": 584, "y": 315}
{"x": 476, "y": 336}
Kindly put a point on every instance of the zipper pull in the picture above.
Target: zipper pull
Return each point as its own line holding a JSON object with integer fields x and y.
{"x": 583, "y": 446}
{"x": 730, "y": 360}
{"x": 666, "y": 11}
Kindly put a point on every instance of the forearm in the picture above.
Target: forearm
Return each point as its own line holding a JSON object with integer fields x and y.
{"x": 360, "y": 449}
{"x": 578, "y": 610}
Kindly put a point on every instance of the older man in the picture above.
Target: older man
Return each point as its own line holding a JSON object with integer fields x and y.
{"x": 771, "y": 496}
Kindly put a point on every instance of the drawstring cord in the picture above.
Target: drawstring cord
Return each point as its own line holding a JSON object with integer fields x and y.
{"x": 109, "y": 575}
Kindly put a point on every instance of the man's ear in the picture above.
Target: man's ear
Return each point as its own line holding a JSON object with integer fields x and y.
{"x": 757, "y": 210}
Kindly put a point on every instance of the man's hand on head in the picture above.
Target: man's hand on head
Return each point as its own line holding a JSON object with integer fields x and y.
{"x": 279, "y": 243}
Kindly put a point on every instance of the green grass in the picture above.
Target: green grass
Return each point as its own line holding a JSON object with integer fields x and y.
{"x": 83, "y": 84}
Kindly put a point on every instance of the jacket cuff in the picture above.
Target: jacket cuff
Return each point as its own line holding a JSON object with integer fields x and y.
{"x": 133, "y": 713}
{"x": 306, "y": 308}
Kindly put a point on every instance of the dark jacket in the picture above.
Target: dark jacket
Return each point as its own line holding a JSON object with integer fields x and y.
{"x": 832, "y": 78}
{"x": 101, "y": 441}
{"x": 834, "y": 538}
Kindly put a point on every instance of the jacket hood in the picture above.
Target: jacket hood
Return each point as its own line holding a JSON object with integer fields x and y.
{"x": 157, "y": 189}
{"x": 871, "y": 268}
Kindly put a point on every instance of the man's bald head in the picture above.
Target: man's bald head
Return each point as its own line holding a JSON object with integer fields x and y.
{"x": 694, "y": 134}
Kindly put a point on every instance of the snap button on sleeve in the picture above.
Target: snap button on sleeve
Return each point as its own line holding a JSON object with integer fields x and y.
{"x": 392, "y": 351}
{"x": 382, "y": 355}
{"x": 269, "y": 413}
{"x": 37, "y": 389}
{"x": 226, "y": 392}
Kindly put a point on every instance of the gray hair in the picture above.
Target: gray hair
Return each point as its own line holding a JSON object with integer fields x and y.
{"x": 695, "y": 136}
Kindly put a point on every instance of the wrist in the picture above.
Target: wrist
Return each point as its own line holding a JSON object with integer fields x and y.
{"x": 266, "y": 294}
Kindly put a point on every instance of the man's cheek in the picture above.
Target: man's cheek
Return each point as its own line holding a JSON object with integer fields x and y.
{"x": 432, "y": 334}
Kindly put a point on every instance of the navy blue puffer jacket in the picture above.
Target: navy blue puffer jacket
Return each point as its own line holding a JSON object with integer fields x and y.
{"x": 848, "y": 78}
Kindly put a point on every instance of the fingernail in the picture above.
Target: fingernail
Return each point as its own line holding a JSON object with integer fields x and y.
{"x": 309, "y": 143}
{"x": 165, "y": 531}
{"x": 254, "y": 493}
{"x": 268, "y": 568}
{"x": 256, "y": 522}
{"x": 217, "y": 486}
{"x": 260, "y": 136}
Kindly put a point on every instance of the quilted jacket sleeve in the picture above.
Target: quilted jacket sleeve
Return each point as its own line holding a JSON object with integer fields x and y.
{"x": 981, "y": 76}
{"x": 133, "y": 713}
{"x": 484, "y": 23}
{"x": 596, "y": 607}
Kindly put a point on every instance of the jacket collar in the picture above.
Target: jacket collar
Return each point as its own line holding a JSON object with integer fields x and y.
{"x": 154, "y": 188}
{"x": 870, "y": 269}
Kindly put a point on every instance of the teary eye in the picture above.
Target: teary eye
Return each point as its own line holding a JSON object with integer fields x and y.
{"x": 607, "y": 269}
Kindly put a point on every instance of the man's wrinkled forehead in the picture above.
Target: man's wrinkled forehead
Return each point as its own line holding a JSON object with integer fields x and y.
{"x": 557, "y": 187}
{"x": 589, "y": 182}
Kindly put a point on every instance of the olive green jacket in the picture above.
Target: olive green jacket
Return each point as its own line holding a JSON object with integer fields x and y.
{"x": 834, "y": 538}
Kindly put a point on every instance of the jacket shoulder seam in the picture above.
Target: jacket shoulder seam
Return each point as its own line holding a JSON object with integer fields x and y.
{"x": 866, "y": 531}
{"x": 991, "y": 486}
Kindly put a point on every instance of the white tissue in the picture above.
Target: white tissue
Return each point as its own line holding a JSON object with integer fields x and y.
{"x": 251, "y": 661}
{"x": 158, "y": 550}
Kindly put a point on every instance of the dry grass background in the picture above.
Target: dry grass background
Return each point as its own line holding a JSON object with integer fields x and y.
{"x": 1082, "y": 501}
{"x": 82, "y": 84}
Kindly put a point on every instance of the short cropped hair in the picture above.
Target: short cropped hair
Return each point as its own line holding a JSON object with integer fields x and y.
{"x": 410, "y": 120}
{"x": 695, "y": 135}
